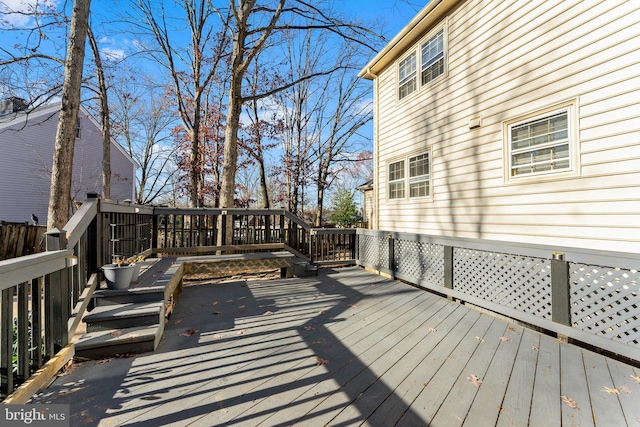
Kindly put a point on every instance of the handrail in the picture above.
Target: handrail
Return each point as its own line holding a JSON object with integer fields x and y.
{"x": 80, "y": 221}
{"x": 297, "y": 220}
{"x": 19, "y": 270}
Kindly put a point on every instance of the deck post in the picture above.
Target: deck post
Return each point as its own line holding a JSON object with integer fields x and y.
{"x": 392, "y": 255}
{"x": 94, "y": 239}
{"x": 448, "y": 268}
{"x": 560, "y": 289}
{"x": 58, "y": 304}
{"x": 6, "y": 343}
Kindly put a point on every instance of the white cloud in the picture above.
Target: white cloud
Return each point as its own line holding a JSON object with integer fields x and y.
{"x": 16, "y": 12}
{"x": 112, "y": 54}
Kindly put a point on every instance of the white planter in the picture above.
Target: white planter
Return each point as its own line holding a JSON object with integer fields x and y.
{"x": 136, "y": 271}
{"x": 118, "y": 277}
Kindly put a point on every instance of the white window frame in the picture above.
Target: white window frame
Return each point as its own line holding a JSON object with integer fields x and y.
{"x": 568, "y": 139}
{"x": 407, "y": 181}
{"x": 412, "y": 66}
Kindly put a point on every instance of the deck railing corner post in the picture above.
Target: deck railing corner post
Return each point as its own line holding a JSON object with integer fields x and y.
{"x": 560, "y": 289}
{"x": 58, "y": 302}
{"x": 392, "y": 254}
{"x": 448, "y": 267}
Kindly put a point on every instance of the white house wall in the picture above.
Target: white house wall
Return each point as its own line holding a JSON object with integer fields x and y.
{"x": 505, "y": 60}
{"x": 26, "y": 156}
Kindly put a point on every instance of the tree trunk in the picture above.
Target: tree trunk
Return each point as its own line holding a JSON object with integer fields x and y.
{"x": 105, "y": 124}
{"x": 62, "y": 169}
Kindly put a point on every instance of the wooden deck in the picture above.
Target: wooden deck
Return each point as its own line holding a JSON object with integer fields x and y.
{"x": 347, "y": 348}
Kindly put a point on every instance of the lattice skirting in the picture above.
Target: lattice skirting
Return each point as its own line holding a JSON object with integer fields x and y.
{"x": 421, "y": 260}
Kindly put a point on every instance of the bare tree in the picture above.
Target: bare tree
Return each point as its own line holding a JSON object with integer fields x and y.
{"x": 62, "y": 170}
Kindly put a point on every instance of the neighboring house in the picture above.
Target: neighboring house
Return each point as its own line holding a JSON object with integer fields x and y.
{"x": 367, "y": 202}
{"x": 512, "y": 120}
{"x": 26, "y": 146}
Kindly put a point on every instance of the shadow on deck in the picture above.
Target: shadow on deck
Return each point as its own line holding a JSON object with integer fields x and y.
{"x": 346, "y": 348}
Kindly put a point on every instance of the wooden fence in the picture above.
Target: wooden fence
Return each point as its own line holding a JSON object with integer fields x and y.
{"x": 18, "y": 239}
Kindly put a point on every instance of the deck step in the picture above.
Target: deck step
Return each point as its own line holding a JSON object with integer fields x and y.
{"x": 127, "y": 315}
{"x": 302, "y": 268}
{"x": 132, "y": 295}
{"x": 109, "y": 343}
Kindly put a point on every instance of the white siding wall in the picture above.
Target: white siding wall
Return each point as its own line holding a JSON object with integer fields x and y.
{"x": 26, "y": 156}
{"x": 507, "y": 59}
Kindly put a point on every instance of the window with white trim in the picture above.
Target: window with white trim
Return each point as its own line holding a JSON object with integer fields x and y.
{"x": 419, "y": 176}
{"x": 412, "y": 172}
{"x": 432, "y": 54}
{"x": 396, "y": 180}
{"x": 541, "y": 145}
{"x": 407, "y": 76}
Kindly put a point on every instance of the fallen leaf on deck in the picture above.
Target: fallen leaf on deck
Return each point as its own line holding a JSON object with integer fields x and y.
{"x": 505, "y": 339}
{"x": 320, "y": 361}
{"x": 214, "y": 303}
{"x": 309, "y": 328}
{"x": 177, "y": 321}
{"x": 512, "y": 329}
{"x": 635, "y": 378}
{"x": 475, "y": 380}
{"x": 242, "y": 306}
{"x": 625, "y": 389}
{"x": 133, "y": 335}
{"x": 116, "y": 333}
{"x": 217, "y": 313}
{"x": 352, "y": 305}
{"x": 533, "y": 347}
{"x": 432, "y": 329}
{"x": 321, "y": 312}
{"x": 242, "y": 332}
{"x": 217, "y": 336}
{"x": 480, "y": 339}
{"x": 268, "y": 313}
{"x": 190, "y": 332}
{"x": 106, "y": 360}
{"x": 611, "y": 390}
{"x": 569, "y": 402}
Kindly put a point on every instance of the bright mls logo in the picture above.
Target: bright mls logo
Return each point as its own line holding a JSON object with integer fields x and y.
{"x": 35, "y": 415}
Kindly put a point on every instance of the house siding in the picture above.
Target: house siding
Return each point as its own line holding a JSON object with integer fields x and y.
{"x": 27, "y": 156}
{"x": 508, "y": 60}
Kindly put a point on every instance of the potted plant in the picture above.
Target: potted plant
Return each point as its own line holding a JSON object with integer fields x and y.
{"x": 119, "y": 274}
{"x": 135, "y": 260}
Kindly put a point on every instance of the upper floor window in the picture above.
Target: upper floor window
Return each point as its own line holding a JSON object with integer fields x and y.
{"x": 433, "y": 57}
{"x": 407, "y": 75}
{"x": 430, "y": 55}
{"x": 541, "y": 145}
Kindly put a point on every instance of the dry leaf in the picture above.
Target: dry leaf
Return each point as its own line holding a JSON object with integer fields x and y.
{"x": 625, "y": 389}
{"x": 535, "y": 348}
{"x": 241, "y": 332}
{"x": 352, "y": 305}
{"x": 217, "y": 313}
{"x": 309, "y": 328}
{"x": 321, "y": 312}
{"x": 116, "y": 333}
{"x": 569, "y": 402}
{"x": 133, "y": 335}
{"x": 242, "y": 306}
{"x": 611, "y": 390}
{"x": 635, "y": 378}
{"x": 106, "y": 360}
{"x": 177, "y": 321}
{"x": 217, "y": 336}
{"x": 475, "y": 380}
{"x": 512, "y": 329}
{"x": 214, "y": 303}
{"x": 503, "y": 339}
{"x": 320, "y": 361}
{"x": 480, "y": 339}
{"x": 268, "y": 313}
{"x": 190, "y": 332}
{"x": 432, "y": 329}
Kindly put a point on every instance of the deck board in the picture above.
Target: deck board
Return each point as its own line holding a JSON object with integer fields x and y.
{"x": 396, "y": 355}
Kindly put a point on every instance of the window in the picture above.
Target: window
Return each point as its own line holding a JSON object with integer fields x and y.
{"x": 433, "y": 57}
{"x": 396, "y": 180}
{"x": 413, "y": 173}
{"x": 540, "y": 145}
{"x": 407, "y": 75}
{"x": 419, "y": 176}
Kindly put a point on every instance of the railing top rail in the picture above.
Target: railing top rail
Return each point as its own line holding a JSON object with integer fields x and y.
{"x": 19, "y": 270}
{"x": 124, "y": 207}
{"x": 578, "y": 255}
{"x": 297, "y": 220}
{"x": 80, "y": 221}
{"x": 161, "y": 210}
{"x": 329, "y": 231}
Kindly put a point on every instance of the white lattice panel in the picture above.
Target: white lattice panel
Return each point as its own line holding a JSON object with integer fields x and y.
{"x": 515, "y": 281}
{"x": 605, "y": 301}
{"x": 374, "y": 251}
{"x": 422, "y": 260}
